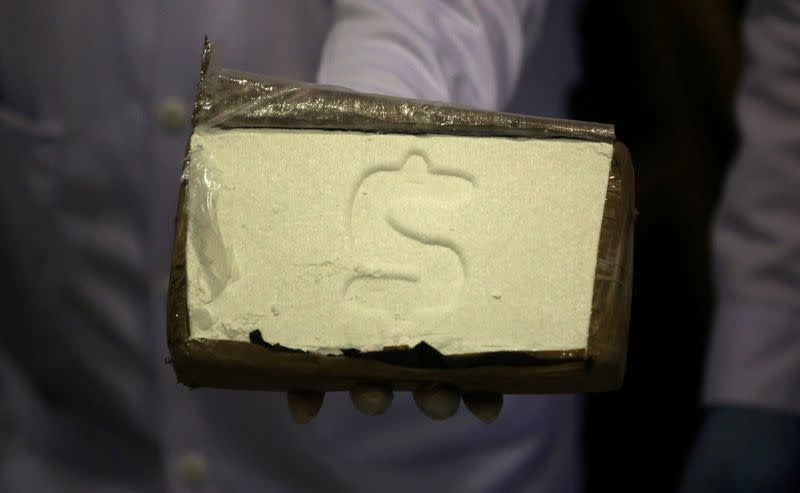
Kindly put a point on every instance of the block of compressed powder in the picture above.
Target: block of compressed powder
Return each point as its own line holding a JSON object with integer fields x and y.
{"x": 318, "y": 258}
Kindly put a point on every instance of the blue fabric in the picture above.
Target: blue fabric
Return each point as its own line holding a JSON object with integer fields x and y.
{"x": 754, "y": 357}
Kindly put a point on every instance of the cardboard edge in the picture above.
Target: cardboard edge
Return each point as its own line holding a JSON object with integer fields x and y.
{"x": 240, "y": 365}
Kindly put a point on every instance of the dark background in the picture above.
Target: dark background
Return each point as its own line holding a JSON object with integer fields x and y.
{"x": 665, "y": 73}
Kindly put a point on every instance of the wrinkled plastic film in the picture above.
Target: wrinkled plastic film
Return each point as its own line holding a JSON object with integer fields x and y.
{"x": 234, "y": 99}
{"x": 239, "y": 99}
{"x": 203, "y": 184}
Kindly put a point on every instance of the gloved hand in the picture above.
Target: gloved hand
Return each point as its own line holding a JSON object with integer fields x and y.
{"x": 435, "y": 401}
{"x": 743, "y": 449}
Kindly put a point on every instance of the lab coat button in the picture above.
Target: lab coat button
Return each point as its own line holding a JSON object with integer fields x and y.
{"x": 173, "y": 115}
{"x": 193, "y": 469}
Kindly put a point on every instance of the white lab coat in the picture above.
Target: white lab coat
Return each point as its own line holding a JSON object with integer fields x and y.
{"x": 94, "y": 99}
{"x": 754, "y": 358}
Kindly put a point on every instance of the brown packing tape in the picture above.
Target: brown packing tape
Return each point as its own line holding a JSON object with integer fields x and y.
{"x": 230, "y": 99}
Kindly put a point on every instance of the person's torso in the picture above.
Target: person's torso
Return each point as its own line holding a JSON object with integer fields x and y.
{"x": 94, "y": 119}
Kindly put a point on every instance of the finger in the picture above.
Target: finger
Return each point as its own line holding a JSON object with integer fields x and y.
{"x": 304, "y": 405}
{"x": 437, "y": 401}
{"x": 485, "y": 406}
{"x": 371, "y": 399}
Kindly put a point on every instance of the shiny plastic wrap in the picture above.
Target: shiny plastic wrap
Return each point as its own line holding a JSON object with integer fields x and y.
{"x": 228, "y": 99}
{"x": 233, "y": 99}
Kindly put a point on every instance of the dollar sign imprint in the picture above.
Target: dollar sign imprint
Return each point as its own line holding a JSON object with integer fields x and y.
{"x": 405, "y": 222}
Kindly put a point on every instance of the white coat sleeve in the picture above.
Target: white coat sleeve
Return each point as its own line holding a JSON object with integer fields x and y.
{"x": 462, "y": 51}
{"x": 754, "y": 355}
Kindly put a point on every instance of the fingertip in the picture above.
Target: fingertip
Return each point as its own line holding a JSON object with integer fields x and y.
{"x": 304, "y": 405}
{"x": 437, "y": 401}
{"x": 372, "y": 399}
{"x": 486, "y": 406}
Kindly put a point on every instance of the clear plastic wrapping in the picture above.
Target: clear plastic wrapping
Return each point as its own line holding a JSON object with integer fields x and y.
{"x": 233, "y": 99}
{"x": 230, "y": 99}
